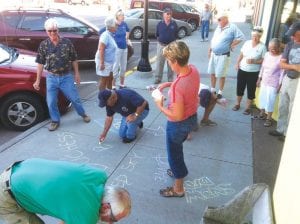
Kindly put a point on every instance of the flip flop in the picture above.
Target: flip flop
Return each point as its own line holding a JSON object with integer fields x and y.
{"x": 169, "y": 192}
{"x": 247, "y": 112}
{"x": 236, "y": 107}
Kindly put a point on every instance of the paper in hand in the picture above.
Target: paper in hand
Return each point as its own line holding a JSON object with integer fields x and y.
{"x": 156, "y": 94}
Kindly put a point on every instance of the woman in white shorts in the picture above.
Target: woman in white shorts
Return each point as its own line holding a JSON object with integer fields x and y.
{"x": 106, "y": 54}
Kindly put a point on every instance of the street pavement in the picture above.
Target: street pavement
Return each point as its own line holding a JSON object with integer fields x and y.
{"x": 219, "y": 158}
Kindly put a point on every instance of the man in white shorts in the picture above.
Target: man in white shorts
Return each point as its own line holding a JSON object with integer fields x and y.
{"x": 226, "y": 37}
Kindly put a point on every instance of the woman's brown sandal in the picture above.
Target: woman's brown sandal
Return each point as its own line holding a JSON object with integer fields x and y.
{"x": 236, "y": 107}
{"x": 169, "y": 192}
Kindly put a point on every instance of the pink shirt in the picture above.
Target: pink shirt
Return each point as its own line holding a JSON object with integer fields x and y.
{"x": 185, "y": 89}
{"x": 270, "y": 71}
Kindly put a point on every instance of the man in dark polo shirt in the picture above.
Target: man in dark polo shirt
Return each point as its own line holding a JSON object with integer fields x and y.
{"x": 131, "y": 105}
{"x": 166, "y": 32}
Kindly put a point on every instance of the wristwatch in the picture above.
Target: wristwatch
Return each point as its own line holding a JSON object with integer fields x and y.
{"x": 136, "y": 114}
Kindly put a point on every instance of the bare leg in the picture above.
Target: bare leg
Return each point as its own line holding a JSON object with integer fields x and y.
{"x": 178, "y": 186}
{"x": 238, "y": 100}
{"x": 221, "y": 83}
{"x": 249, "y": 104}
{"x": 210, "y": 107}
{"x": 122, "y": 80}
{"x": 109, "y": 81}
{"x": 213, "y": 80}
{"x": 102, "y": 83}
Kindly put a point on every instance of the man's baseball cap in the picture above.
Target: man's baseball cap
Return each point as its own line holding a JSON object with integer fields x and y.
{"x": 103, "y": 97}
{"x": 167, "y": 10}
{"x": 293, "y": 29}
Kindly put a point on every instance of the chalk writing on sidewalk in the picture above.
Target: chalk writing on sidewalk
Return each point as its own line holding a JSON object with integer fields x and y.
{"x": 162, "y": 165}
{"x": 133, "y": 161}
{"x": 204, "y": 188}
{"x": 71, "y": 152}
{"x": 115, "y": 126}
{"x": 120, "y": 181}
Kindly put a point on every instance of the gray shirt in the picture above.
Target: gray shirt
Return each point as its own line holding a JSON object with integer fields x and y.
{"x": 292, "y": 55}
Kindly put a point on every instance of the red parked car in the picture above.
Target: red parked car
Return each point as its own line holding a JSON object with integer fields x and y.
{"x": 24, "y": 29}
{"x": 21, "y": 106}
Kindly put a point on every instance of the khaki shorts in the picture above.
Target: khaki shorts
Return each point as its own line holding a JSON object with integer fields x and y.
{"x": 218, "y": 65}
{"x": 10, "y": 211}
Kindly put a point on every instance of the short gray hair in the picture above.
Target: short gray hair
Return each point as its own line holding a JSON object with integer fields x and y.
{"x": 119, "y": 199}
{"x": 51, "y": 23}
{"x": 110, "y": 21}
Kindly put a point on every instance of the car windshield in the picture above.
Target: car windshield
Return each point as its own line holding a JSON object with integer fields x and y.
{"x": 7, "y": 54}
{"x": 132, "y": 12}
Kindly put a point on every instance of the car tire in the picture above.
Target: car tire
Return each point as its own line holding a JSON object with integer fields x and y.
{"x": 136, "y": 33}
{"x": 182, "y": 32}
{"x": 194, "y": 24}
{"x": 83, "y": 3}
{"x": 70, "y": 2}
{"x": 22, "y": 111}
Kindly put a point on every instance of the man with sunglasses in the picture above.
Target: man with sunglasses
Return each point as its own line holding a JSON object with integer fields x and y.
{"x": 57, "y": 55}
{"x": 226, "y": 37}
{"x": 166, "y": 32}
{"x": 73, "y": 193}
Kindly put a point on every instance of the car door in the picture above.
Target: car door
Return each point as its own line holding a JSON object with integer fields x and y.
{"x": 84, "y": 38}
{"x": 8, "y": 25}
{"x": 30, "y": 31}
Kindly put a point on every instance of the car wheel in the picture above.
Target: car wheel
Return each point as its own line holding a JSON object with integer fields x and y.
{"x": 82, "y": 2}
{"x": 70, "y": 2}
{"x": 181, "y": 32}
{"x": 194, "y": 24}
{"x": 21, "y": 111}
{"x": 137, "y": 33}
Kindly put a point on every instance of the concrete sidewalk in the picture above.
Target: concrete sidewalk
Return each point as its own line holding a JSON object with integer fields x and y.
{"x": 219, "y": 159}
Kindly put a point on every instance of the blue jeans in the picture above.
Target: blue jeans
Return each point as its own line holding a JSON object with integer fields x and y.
{"x": 128, "y": 129}
{"x": 177, "y": 133}
{"x": 66, "y": 84}
{"x": 204, "y": 29}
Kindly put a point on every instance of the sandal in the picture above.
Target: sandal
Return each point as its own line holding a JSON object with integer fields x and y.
{"x": 268, "y": 123}
{"x": 247, "y": 111}
{"x": 170, "y": 173}
{"x": 236, "y": 107}
{"x": 169, "y": 192}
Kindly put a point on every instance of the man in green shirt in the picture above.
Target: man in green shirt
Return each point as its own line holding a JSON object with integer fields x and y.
{"x": 73, "y": 193}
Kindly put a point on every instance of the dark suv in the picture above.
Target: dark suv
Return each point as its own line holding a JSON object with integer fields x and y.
{"x": 24, "y": 29}
{"x": 179, "y": 11}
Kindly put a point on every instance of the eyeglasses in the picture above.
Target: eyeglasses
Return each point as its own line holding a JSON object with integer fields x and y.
{"x": 52, "y": 31}
{"x": 111, "y": 216}
{"x": 168, "y": 13}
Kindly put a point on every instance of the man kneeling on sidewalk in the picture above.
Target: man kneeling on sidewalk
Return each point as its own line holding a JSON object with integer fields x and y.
{"x": 131, "y": 105}
{"x": 73, "y": 193}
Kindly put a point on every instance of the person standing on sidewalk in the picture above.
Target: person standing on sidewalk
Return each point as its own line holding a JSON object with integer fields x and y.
{"x": 131, "y": 105}
{"x": 73, "y": 193}
{"x": 206, "y": 16}
{"x": 106, "y": 54}
{"x": 166, "y": 32}
{"x": 290, "y": 62}
{"x": 57, "y": 55}
{"x": 248, "y": 66}
{"x": 121, "y": 37}
{"x": 181, "y": 112}
{"x": 226, "y": 37}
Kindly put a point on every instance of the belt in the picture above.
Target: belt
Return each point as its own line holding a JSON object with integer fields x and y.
{"x": 7, "y": 172}
{"x": 227, "y": 53}
{"x": 59, "y": 74}
{"x": 292, "y": 77}
{"x": 162, "y": 44}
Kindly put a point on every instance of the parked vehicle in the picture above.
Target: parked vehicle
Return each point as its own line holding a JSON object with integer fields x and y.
{"x": 21, "y": 106}
{"x": 82, "y": 2}
{"x": 179, "y": 11}
{"x": 24, "y": 29}
{"x": 135, "y": 21}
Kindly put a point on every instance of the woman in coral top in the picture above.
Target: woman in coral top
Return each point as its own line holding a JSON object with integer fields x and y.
{"x": 181, "y": 112}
